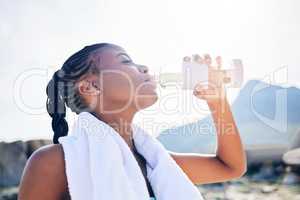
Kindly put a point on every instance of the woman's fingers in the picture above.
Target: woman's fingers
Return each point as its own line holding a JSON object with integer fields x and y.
{"x": 219, "y": 62}
{"x": 216, "y": 79}
{"x": 203, "y": 90}
{"x": 207, "y": 59}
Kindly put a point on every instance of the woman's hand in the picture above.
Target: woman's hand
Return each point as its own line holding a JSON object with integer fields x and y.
{"x": 214, "y": 90}
{"x": 209, "y": 93}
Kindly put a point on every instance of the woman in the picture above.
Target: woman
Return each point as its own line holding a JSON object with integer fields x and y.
{"x": 112, "y": 101}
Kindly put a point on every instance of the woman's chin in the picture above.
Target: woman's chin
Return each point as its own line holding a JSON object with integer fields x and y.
{"x": 146, "y": 101}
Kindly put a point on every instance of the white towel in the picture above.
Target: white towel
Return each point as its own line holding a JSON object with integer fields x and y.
{"x": 100, "y": 165}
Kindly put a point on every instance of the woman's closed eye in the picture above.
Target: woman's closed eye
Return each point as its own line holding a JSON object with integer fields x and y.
{"x": 125, "y": 58}
{"x": 127, "y": 61}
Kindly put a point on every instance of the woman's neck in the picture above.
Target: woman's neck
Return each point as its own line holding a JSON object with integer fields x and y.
{"x": 121, "y": 123}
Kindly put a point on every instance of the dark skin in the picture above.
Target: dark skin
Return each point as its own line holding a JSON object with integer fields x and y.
{"x": 130, "y": 91}
{"x": 45, "y": 175}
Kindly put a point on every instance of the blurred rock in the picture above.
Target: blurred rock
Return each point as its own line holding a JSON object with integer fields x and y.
{"x": 292, "y": 157}
{"x": 268, "y": 189}
{"x": 290, "y": 177}
{"x": 13, "y": 157}
{"x": 9, "y": 193}
{"x": 9, "y": 197}
{"x": 265, "y": 173}
{"x": 33, "y": 145}
{"x": 215, "y": 186}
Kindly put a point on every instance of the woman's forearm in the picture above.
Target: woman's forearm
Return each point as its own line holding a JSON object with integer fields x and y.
{"x": 229, "y": 145}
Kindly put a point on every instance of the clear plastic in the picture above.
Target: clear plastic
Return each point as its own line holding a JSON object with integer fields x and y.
{"x": 193, "y": 73}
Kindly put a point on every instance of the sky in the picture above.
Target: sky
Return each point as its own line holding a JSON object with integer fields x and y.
{"x": 36, "y": 37}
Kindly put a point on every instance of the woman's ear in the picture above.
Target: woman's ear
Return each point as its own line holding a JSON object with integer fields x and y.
{"x": 89, "y": 87}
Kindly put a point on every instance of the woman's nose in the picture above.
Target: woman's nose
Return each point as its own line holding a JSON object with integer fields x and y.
{"x": 143, "y": 69}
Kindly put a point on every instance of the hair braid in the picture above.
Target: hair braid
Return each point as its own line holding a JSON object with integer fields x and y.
{"x": 61, "y": 89}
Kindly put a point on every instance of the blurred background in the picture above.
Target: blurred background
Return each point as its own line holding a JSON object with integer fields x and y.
{"x": 38, "y": 36}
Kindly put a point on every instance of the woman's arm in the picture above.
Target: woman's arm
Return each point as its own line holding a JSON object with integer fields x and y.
{"x": 230, "y": 160}
{"x": 44, "y": 175}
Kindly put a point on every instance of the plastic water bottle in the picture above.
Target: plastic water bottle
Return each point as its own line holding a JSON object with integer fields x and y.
{"x": 193, "y": 73}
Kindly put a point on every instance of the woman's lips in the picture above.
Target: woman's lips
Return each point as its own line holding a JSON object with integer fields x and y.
{"x": 150, "y": 78}
{"x": 151, "y": 82}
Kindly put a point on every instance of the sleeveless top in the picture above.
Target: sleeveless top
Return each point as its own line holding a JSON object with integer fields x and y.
{"x": 142, "y": 163}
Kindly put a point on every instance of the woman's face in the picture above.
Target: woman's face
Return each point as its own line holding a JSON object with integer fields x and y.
{"x": 123, "y": 84}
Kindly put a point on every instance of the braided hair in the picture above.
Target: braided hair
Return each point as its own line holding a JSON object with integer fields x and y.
{"x": 61, "y": 90}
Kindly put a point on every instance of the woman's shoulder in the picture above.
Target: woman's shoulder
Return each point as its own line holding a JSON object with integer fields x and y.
{"x": 48, "y": 158}
{"x": 45, "y": 168}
